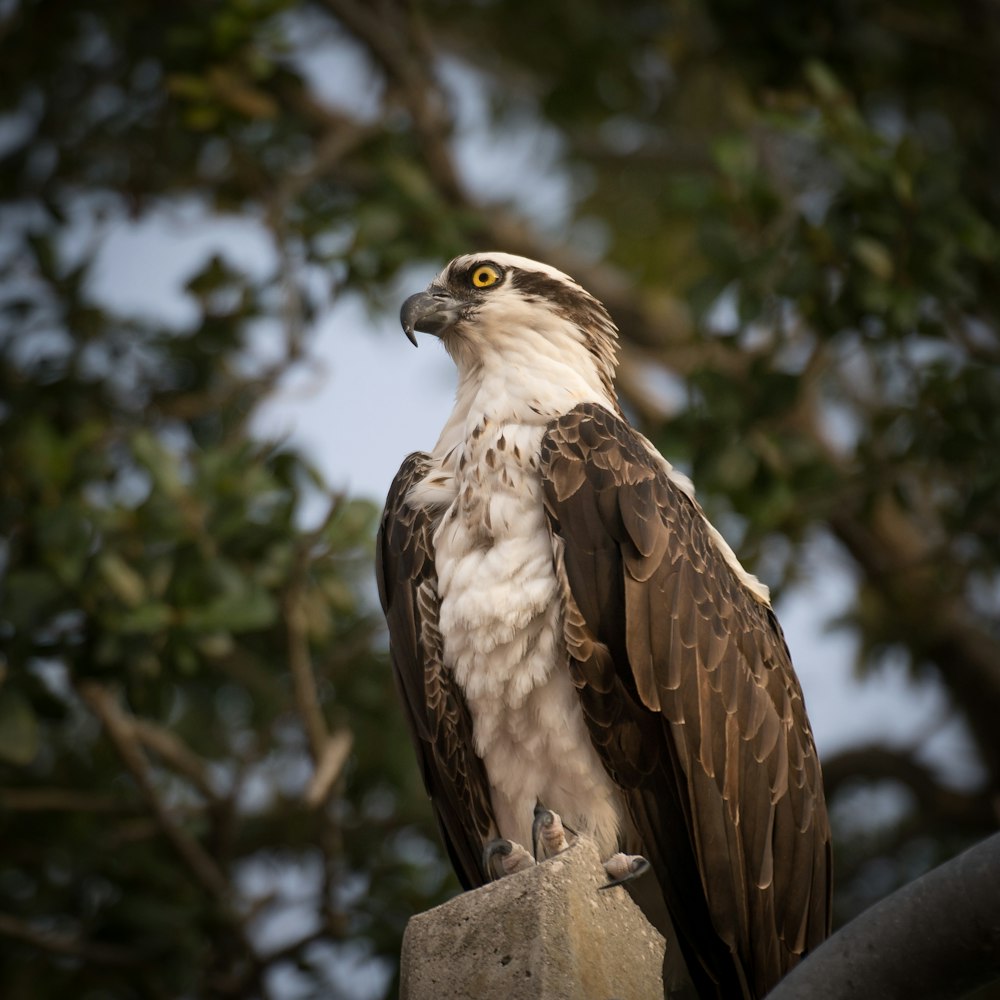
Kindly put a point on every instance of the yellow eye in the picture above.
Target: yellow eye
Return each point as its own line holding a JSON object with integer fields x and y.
{"x": 484, "y": 276}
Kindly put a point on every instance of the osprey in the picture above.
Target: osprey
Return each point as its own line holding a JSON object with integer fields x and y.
{"x": 578, "y": 650}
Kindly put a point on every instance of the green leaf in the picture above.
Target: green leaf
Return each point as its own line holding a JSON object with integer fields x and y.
{"x": 29, "y": 594}
{"x": 823, "y": 80}
{"x": 875, "y": 256}
{"x": 162, "y": 463}
{"x": 147, "y": 619}
{"x": 244, "y": 610}
{"x": 124, "y": 582}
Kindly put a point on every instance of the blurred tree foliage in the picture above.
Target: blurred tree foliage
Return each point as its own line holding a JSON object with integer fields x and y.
{"x": 795, "y": 208}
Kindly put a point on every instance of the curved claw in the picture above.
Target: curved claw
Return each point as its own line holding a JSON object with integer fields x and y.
{"x": 622, "y": 868}
{"x": 504, "y": 857}
{"x": 548, "y": 833}
{"x": 495, "y": 848}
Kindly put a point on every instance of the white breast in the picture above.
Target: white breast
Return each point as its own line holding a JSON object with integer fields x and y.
{"x": 500, "y": 620}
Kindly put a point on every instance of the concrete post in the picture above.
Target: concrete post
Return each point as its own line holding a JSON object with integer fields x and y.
{"x": 545, "y": 934}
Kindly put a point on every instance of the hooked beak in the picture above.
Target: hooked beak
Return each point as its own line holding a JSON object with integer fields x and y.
{"x": 429, "y": 312}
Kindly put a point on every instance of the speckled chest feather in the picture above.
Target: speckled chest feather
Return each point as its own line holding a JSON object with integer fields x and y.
{"x": 501, "y": 624}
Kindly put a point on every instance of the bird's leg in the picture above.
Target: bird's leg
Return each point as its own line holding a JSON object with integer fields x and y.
{"x": 548, "y": 834}
{"x": 622, "y": 868}
{"x": 504, "y": 857}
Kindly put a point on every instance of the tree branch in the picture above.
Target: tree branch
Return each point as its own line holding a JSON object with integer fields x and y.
{"x": 971, "y": 811}
{"x": 61, "y": 800}
{"x": 121, "y": 730}
{"x": 329, "y": 767}
{"x": 303, "y": 681}
{"x": 895, "y": 556}
{"x": 395, "y": 39}
{"x": 66, "y": 944}
{"x": 175, "y": 753}
{"x": 321, "y": 745}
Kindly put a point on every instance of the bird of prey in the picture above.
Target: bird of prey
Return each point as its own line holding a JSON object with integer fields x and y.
{"x": 578, "y": 650}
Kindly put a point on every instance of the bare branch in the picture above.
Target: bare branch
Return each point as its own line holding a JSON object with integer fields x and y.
{"x": 956, "y": 809}
{"x": 340, "y": 136}
{"x": 303, "y": 681}
{"x": 329, "y": 767}
{"x": 299, "y": 658}
{"x": 175, "y": 753}
{"x": 66, "y": 944}
{"x": 894, "y": 554}
{"x": 292, "y": 951}
{"x": 396, "y": 40}
{"x": 61, "y": 800}
{"x": 121, "y": 730}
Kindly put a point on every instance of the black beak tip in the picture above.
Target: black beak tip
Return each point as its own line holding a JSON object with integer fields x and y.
{"x": 428, "y": 312}
{"x": 409, "y": 316}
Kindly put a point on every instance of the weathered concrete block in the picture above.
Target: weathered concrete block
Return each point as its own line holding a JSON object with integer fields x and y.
{"x": 545, "y": 934}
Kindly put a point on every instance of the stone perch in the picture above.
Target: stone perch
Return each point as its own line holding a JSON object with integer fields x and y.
{"x": 547, "y": 933}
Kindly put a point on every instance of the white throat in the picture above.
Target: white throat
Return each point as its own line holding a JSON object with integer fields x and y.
{"x": 526, "y": 374}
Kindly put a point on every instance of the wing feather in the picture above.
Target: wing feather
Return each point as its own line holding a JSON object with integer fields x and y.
{"x": 435, "y": 709}
{"x": 691, "y": 701}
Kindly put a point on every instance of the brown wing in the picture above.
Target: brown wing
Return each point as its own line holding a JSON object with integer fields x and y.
{"x": 434, "y": 707}
{"x": 690, "y": 697}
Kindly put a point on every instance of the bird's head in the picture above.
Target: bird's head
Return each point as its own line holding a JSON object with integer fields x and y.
{"x": 495, "y": 311}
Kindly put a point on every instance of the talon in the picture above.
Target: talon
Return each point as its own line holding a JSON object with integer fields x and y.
{"x": 503, "y": 857}
{"x": 623, "y": 868}
{"x": 548, "y": 833}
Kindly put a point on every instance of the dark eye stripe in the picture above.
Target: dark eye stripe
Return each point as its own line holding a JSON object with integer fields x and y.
{"x": 572, "y": 300}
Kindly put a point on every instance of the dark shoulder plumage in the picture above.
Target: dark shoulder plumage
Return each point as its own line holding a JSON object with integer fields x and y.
{"x": 690, "y": 697}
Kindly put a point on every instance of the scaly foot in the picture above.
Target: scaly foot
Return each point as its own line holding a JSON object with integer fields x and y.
{"x": 623, "y": 868}
{"x": 548, "y": 834}
{"x": 504, "y": 857}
